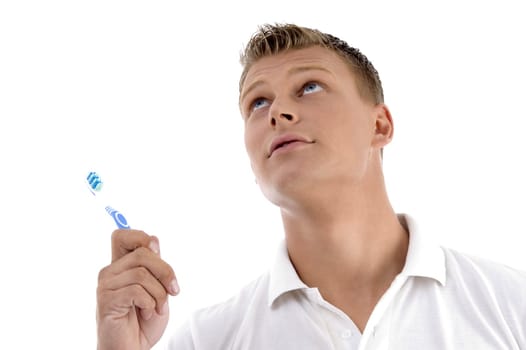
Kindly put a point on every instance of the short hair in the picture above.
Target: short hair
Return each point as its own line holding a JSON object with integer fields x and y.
{"x": 272, "y": 39}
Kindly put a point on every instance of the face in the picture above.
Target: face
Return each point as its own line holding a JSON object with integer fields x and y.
{"x": 306, "y": 127}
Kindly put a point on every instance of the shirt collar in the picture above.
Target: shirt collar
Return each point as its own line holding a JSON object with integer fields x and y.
{"x": 424, "y": 259}
{"x": 283, "y": 275}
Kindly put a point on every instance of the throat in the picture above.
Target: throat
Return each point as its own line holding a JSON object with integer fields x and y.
{"x": 357, "y": 303}
{"x": 352, "y": 266}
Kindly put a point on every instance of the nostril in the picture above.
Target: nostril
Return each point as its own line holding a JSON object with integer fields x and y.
{"x": 287, "y": 116}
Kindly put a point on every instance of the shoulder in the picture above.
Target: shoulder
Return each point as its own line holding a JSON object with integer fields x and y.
{"x": 234, "y": 308}
{"x": 217, "y": 325}
{"x": 478, "y": 269}
{"x": 495, "y": 288}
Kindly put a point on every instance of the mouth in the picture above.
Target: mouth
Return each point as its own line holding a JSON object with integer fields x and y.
{"x": 285, "y": 141}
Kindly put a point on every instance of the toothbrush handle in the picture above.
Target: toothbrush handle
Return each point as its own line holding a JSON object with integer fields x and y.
{"x": 118, "y": 217}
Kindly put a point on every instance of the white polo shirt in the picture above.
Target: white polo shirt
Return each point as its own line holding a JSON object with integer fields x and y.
{"x": 442, "y": 299}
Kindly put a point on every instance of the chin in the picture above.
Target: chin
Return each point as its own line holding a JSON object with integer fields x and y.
{"x": 285, "y": 192}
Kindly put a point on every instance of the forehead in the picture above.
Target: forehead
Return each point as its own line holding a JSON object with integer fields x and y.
{"x": 287, "y": 61}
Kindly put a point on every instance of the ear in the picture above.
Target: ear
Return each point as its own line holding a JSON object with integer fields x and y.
{"x": 384, "y": 128}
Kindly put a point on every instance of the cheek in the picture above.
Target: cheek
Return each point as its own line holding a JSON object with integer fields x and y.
{"x": 252, "y": 142}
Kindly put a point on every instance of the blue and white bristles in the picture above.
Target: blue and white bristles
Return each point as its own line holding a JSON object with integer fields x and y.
{"x": 94, "y": 183}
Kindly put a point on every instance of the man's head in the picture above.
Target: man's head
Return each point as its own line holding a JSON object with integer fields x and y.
{"x": 273, "y": 39}
{"x": 314, "y": 116}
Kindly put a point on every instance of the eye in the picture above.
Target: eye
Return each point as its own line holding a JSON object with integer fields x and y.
{"x": 311, "y": 87}
{"x": 258, "y": 103}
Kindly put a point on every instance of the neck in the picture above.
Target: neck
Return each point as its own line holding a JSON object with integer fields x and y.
{"x": 354, "y": 248}
{"x": 348, "y": 245}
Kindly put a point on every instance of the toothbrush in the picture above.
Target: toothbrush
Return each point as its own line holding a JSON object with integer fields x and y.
{"x": 94, "y": 183}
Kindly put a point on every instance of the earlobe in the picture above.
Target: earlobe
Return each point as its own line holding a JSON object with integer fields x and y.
{"x": 383, "y": 133}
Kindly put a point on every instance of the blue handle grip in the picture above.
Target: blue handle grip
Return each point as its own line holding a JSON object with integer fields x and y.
{"x": 118, "y": 217}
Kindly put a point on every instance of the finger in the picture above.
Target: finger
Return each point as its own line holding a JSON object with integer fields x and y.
{"x": 144, "y": 257}
{"x": 146, "y": 314}
{"x": 142, "y": 277}
{"x": 126, "y": 241}
{"x": 117, "y": 303}
{"x": 154, "y": 245}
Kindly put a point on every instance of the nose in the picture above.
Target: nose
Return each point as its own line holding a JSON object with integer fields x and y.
{"x": 285, "y": 117}
{"x": 279, "y": 114}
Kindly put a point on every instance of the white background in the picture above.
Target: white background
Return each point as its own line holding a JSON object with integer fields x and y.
{"x": 145, "y": 93}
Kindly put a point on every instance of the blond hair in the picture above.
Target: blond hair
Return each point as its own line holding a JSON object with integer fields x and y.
{"x": 273, "y": 39}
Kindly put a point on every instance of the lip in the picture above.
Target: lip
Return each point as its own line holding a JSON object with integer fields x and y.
{"x": 279, "y": 141}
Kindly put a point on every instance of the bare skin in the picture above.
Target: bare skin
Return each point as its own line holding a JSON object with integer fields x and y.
{"x": 132, "y": 293}
{"x": 342, "y": 234}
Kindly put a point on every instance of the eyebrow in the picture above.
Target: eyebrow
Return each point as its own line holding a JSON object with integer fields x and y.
{"x": 292, "y": 71}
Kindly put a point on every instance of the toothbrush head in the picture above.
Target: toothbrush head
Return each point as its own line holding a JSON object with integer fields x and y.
{"x": 94, "y": 182}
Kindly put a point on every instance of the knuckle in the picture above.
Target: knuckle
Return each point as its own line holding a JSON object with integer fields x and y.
{"x": 137, "y": 290}
{"x": 151, "y": 303}
{"x": 142, "y": 274}
{"x": 167, "y": 274}
{"x": 160, "y": 297}
{"x": 115, "y": 235}
{"x": 102, "y": 274}
{"x": 142, "y": 253}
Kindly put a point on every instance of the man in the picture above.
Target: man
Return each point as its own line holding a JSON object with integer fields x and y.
{"x": 351, "y": 274}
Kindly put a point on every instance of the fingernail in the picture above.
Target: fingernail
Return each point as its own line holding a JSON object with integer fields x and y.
{"x": 154, "y": 246}
{"x": 174, "y": 287}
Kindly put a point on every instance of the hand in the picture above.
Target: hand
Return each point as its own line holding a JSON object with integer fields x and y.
{"x": 132, "y": 293}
